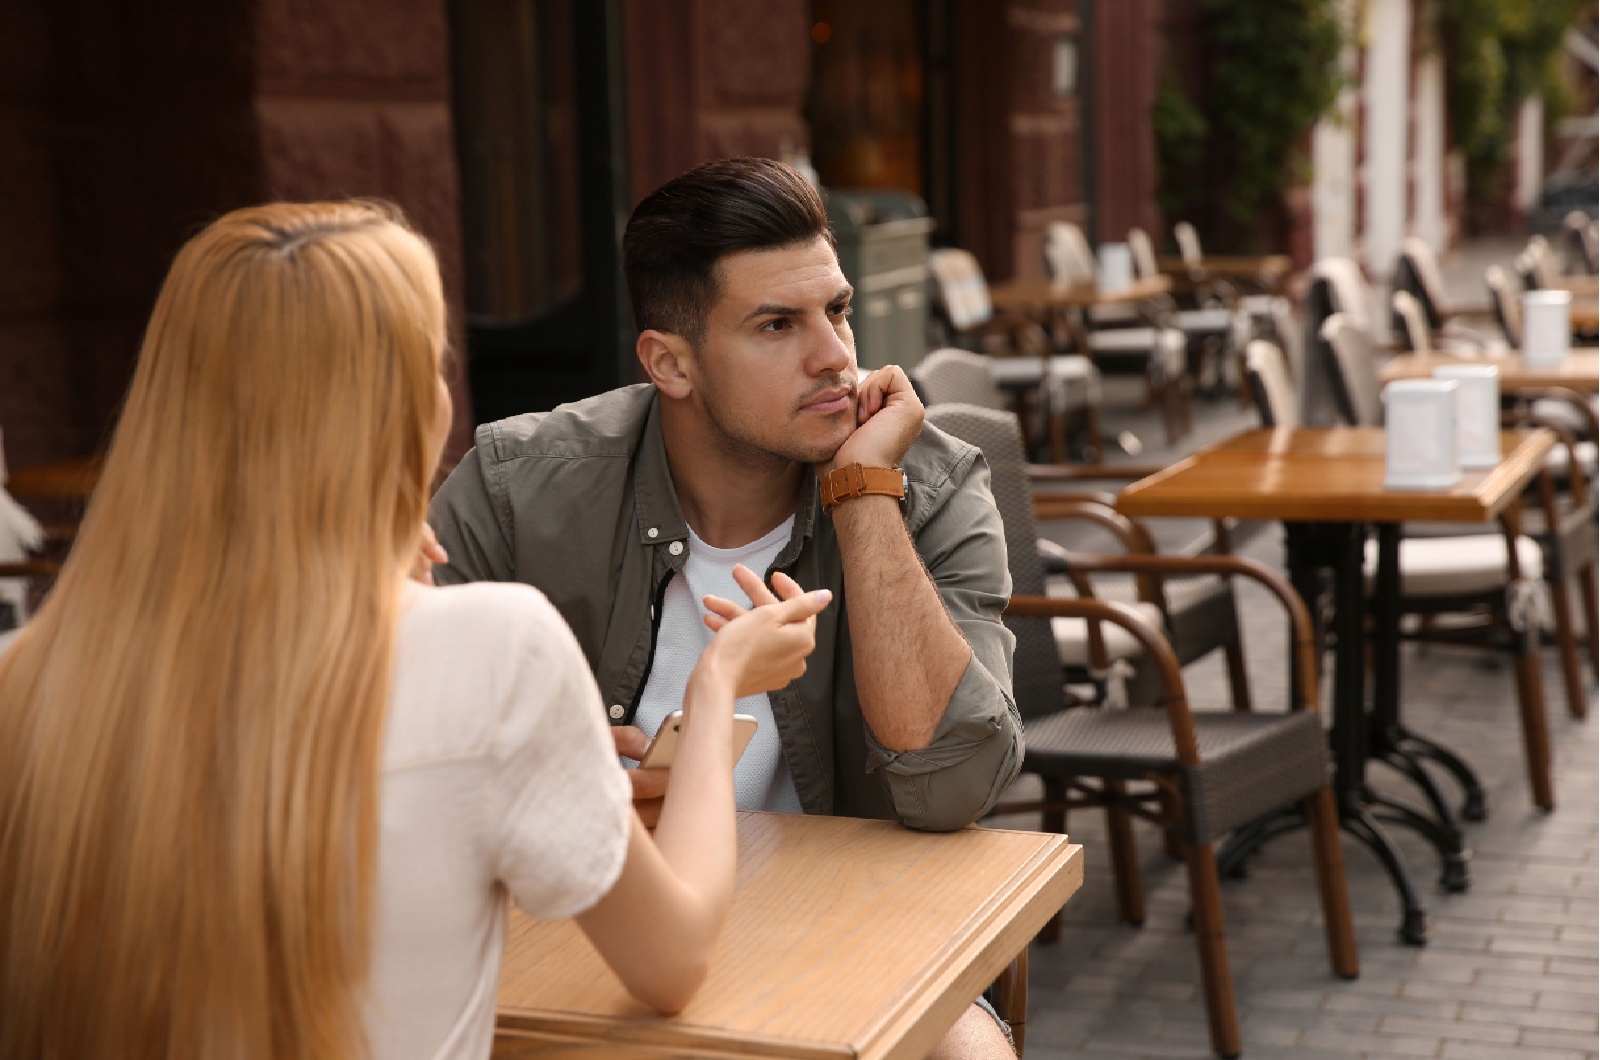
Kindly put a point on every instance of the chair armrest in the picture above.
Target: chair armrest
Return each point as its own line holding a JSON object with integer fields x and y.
{"x": 1299, "y": 617}
{"x": 1045, "y": 473}
{"x": 1130, "y": 535}
{"x": 1564, "y": 394}
{"x": 70, "y": 479}
{"x": 1094, "y": 611}
{"x": 30, "y": 568}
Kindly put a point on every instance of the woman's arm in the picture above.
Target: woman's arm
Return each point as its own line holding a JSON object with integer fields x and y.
{"x": 658, "y": 925}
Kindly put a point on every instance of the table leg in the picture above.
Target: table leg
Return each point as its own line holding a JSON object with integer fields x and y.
{"x": 1340, "y": 546}
{"x": 1388, "y": 737}
{"x": 1009, "y": 995}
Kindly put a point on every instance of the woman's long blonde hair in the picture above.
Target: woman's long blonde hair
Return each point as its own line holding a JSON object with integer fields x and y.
{"x": 190, "y": 729}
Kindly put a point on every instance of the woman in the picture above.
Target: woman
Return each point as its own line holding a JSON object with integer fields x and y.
{"x": 259, "y": 794}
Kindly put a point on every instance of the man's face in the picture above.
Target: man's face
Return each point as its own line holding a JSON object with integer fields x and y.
{"x": 776, "y": 372}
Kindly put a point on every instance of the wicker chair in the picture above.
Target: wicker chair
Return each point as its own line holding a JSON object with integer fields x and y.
{"x": 1213, "y": 333}
{"x": 1199, "y": 614}
{"x": 1020, "y": 348}
{"x": 1197, "y": 776}
{"x": 1134, "y": 335}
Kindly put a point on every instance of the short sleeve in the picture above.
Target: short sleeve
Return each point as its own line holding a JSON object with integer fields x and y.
{"x": 567, "y": 804}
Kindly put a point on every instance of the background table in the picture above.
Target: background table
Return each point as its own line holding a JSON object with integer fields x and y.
{"x": 1326, "y": 485}
{"x": 1266, "y": 271}
{"x": 1579, "y": 371}
{"x": 847, "y": 938}
{"x": 1038, "y": 294}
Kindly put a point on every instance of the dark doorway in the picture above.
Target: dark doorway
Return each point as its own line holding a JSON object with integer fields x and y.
{"x": 540, "y": 118}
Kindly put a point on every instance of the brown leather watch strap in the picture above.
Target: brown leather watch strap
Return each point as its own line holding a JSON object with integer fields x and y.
{"x": 852, "y": 480}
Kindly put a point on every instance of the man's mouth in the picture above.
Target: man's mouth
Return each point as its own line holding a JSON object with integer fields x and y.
{"x": 830, "y": 401}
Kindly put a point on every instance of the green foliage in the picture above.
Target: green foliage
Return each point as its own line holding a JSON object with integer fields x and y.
{"x": 1277, "y": 72}
{"x": 1181, "y": 132}
{"x": 1500, "y": 52}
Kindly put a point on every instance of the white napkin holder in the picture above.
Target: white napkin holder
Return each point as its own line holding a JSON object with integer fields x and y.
{"x": 1420, "y": 434}
{"x": 1546, "y": 327}
{"x": 1114, "y": 267}
{"x": 1477, "y": 412}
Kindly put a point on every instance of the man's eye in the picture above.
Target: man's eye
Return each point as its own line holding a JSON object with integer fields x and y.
{"x": 775, "y": 325}
{"x": 842, "y": 310}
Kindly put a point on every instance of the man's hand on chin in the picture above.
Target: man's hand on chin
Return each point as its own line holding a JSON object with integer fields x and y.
{"x": 888, "y": 417}
{"x": 649, "y": 785}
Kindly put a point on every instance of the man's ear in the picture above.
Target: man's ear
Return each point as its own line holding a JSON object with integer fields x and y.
{"x": 667, "y": 360}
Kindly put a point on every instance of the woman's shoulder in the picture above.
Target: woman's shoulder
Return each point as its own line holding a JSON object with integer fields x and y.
{"x": 492, "y": 612}
{"x": 477, "y": 666}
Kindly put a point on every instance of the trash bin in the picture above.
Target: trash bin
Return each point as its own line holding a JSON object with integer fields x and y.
{"x": 883, "y": 250}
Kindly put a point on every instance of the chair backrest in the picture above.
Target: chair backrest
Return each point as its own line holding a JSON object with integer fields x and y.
{"x": 963, "y": 292}
{"x": 1413, "y": 330}
{"x": 1503, "y": 300}
{"x": 958, "y": 377}
{"x": 1036, "y": 679}
{"x": 1353, "y": 369}
{"x": 1066, "y": 253}
{"x": 1144, "y": 255}
{"x": 1581, "y": 249}
{"x": 1337, "y": 286}
{"x": 1541, "y": 266}
{"x": 1188, "y": 244}
{"x": 1420, "y": 268}
{"x": 1271, "y": 385}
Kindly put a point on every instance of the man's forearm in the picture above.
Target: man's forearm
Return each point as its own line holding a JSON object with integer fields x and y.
{"x": 908, "y": 655}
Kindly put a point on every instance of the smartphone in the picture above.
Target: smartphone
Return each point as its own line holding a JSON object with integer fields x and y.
{"x": 659, "y": 754}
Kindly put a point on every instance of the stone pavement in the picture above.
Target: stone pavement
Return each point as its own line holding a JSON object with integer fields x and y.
{"x": 1510, "y": 970}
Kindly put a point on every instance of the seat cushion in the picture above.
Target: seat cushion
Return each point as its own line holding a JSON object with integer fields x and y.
{"x": 1205, "y": 321}
{"x": 1560, "y": 456}
{"x": 1072, "y": 634}
{"x": 1250, "y": 764}
{"x": 1456, "y": 566}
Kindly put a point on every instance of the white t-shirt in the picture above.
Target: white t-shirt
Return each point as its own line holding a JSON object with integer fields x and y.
{"x": 498, "y": 774}
{"x": 761, "y": 779}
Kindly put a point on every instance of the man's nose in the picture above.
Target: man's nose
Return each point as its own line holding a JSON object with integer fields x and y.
{"x": 832, "y": 352}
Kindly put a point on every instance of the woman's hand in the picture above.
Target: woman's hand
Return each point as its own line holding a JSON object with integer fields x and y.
{"x": 429, "y": 552}
{"x": 765, "y": 647}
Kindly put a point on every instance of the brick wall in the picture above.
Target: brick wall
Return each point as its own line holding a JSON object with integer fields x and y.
{"x": 126, "y": 126}
{"x": 353, "y": 98}
{"x": 713, "y": 78}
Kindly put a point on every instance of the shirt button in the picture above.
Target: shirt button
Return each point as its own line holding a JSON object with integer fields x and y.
{"x": 676, "y": 548}
{"x": 652, "y": 533}
{"x": 617, "y": 711}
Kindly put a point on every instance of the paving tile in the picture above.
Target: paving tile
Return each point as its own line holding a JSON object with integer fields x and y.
{"x": 1457, "y": 1050}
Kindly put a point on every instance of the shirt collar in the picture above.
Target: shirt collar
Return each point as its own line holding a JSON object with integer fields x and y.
{"x": 661, "y": 519}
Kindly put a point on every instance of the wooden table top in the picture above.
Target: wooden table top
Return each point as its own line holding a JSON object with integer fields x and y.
{"x": 1267, "y": 268}
{"x": 1043, "y": 293}
{"x": 70, "y": 479}
{"x": 1580, "y": 370}
{"x": 1579, "y": 285}
{"x": 1332, "y": 475}
{"x": 847, "y": 938}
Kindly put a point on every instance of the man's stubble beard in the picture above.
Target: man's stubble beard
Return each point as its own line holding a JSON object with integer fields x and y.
{"x": 756, "y": 452}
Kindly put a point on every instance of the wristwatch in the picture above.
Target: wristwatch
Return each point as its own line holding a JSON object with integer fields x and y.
{"x": 852, "y": 480}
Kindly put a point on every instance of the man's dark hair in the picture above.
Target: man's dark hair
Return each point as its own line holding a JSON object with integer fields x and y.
{"x": 679, "y": 232}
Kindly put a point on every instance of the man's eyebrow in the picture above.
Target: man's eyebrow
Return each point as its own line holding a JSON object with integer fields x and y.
{"x": 768, "y": 309}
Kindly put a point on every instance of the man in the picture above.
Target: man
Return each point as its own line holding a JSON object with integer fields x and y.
{"x": 755, "y": 441}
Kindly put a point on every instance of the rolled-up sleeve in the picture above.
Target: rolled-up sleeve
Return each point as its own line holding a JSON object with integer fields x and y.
{"x": 977, "y": 749}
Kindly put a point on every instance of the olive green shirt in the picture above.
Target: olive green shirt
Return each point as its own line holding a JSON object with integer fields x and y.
{"x": 579, "y": 503}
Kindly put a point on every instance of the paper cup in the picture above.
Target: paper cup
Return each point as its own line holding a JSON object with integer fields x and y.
{"x": 1115, "y": 267}
{"x": 1477, "y": 412}
{"x": 1546, "y": 326}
